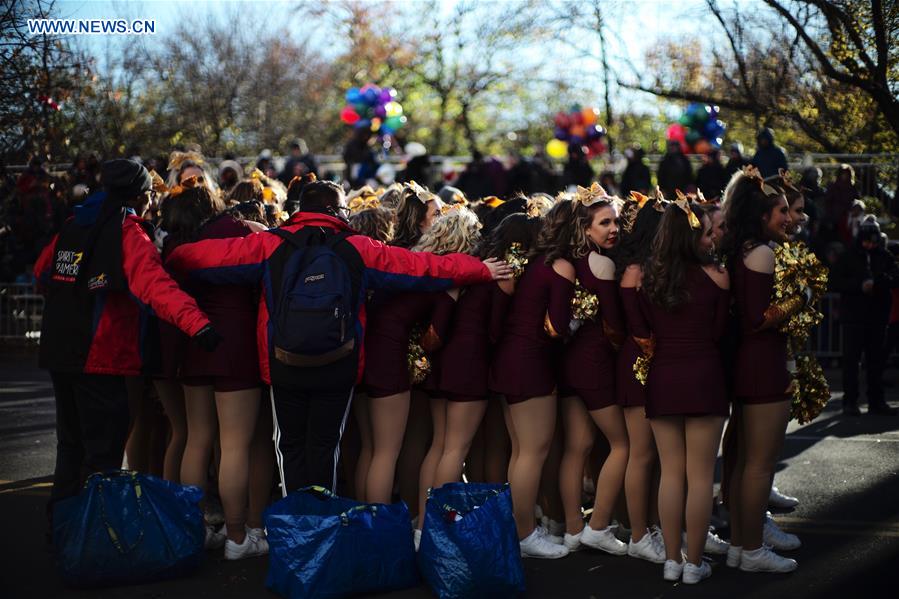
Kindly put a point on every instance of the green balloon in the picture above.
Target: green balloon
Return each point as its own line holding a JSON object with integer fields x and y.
{"x": 684, "y": 120}
{"x": 395, "y": 122}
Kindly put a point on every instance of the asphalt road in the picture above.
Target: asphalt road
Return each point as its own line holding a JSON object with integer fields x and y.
{"x": 844, "y": 472}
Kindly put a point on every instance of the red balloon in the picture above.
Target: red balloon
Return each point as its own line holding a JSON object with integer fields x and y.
{"x": 676, "y": 132}
{"x": 348, "y": 115}
{"x": 562, "y": 120}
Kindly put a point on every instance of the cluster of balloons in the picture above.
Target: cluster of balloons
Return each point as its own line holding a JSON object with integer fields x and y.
{"x": 374, "y": 107}
{"x": 577, "y": 128}
{"x": 698, "y": 129}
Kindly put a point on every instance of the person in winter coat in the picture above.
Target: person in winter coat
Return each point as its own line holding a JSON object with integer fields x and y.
{"x": 312, "y": 391}
{"x": 101, "y": 273}
{"x": 675, "y": 171}
{"x": 768, "y": 158}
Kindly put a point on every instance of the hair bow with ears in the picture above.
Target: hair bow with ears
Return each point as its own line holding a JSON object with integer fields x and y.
{"x": 157, "y": 185}
{"x": 752, "y": 172}
{"x": 683, "y": 202}
{"x": 589, "y": 196}
{"x": 661, "y": 202}
{"x": 639, "y": 198}
{"x": 421, "y": 194}
{"x": 176, "y": 159}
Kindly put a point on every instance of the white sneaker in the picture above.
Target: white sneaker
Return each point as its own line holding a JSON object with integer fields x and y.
{"x": 536, "y": 545}
{"x": 648, "y": 548}
{"x": 554, "y": 539}
{"x": 765, "y": 560}
{"x": 553, "y": 528}
{"x": 572, "y": 542}
{"x": 416, "y": 538}
{"x": 252, "y": 546}
{"x": 733, "y": 556}
{"x": 672, "y": 570}
{"x": 714, "y": 545}
{"x": 782, "y": 541}
{"x": 604, "y": 540}
{"x": 215, "y": 539}
{"x": 781, "y": 501}
{"x": 693, "y": 573}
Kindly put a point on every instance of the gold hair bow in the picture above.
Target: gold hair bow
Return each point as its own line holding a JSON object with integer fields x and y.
{"x": 156, "y": 183}
{"x": 753, "y": 172}
{"x": 188, "y": 183}
{"x": 363, "y": 202}
{"x": 176, "y": 159}
{"x": 493, "y": 201}
{"x": 661, "y": 202}
{"x": 420, "y": 193}
{"x": 589, "y": 196}
{"x": 538, "y": 206}
{"x": 683, "y": 202}
{"x": 639, "y": 198}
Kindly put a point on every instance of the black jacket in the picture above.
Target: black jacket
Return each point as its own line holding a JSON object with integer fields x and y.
{"x": 855, "y": 267}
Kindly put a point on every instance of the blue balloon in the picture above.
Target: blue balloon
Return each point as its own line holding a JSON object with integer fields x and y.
{"x": 372, "y": 96}
{"x": 385, "y": 130}
{"x": 362, "y": 123}
{"x": 353, "y": 96}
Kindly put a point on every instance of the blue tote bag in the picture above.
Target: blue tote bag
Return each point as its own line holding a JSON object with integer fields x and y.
{"x": 469, "y": 544}
{"x": 325, "y": 546}
{"x": 125, "y": 527}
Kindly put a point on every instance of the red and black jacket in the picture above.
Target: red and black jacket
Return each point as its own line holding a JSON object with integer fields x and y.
{"x": 91, "y": 326}
{"x": 255, "y": 259}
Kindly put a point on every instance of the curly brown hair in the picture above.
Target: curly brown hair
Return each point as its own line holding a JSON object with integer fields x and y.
{"x": 554, "y": 240}
{"x": 376, "y": 223}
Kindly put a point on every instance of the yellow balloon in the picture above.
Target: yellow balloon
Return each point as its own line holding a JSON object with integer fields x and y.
{"x": 393, "y": 109}
{"x": 557, "y": 148}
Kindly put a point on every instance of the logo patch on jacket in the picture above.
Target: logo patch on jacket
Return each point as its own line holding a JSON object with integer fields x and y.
{"x": 314, "y": 278}
{"x": 98, "y": 282}
{"x": 66, "y": 265}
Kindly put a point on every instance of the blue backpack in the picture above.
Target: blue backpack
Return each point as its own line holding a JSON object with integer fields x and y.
{"x": 314, "y": 305}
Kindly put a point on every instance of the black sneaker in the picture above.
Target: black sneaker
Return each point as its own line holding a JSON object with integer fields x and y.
{"x": 851, "y": 410}
{"x": 882, "y": 410}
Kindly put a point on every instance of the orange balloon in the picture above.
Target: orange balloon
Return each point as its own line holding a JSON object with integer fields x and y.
{"x": 590, "y": 116}
{"x": 579, "y": 130}
{"x": 702, "y": 146}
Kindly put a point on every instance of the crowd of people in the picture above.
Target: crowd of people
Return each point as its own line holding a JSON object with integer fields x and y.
{"x": 383, "y": 341}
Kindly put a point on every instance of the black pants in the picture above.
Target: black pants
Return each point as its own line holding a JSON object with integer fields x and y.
{"x": 867, "y": 339}
{"x": 91, "y": 429}
{"x": 308, "y": 428}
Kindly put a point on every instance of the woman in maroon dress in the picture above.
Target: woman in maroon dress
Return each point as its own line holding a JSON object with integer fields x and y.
{"x": 524, "y": 368}
{"x": 757, "y": 215}
{"x": 686, "y": 300}
{"x": 223, "y": 389}
{"x": 465, "y": 358}
{"x": 587, "y": 380}
{"x": 640, "y": 484}
{"x": 390, "y": 325}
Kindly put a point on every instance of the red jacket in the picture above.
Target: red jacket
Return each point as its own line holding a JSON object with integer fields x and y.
{"x": 245, "y": 260}
{"x": 118, "y": 326}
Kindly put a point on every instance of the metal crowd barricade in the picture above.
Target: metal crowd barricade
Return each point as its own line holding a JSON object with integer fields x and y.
{"x": 21, "y": 310}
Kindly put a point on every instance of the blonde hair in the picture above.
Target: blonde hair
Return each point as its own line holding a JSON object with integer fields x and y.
{"x": 456, "y": 231}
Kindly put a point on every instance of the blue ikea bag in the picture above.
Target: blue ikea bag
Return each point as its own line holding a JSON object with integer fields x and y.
{"x": 325, "y": 546}
{"x": 126, "y": 527}
{"x": 469, "y": 544}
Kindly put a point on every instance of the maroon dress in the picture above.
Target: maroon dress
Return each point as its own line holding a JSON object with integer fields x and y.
{"x": 465, "y": 358}
{"x": 389, "y": 326}
{"x": 630, "y": 393}
{"x": 760, "y": 368}
{"x": 588, "y": 364}
{"x": 232, "y": 309}
{"x": 524, "y": 365}
{"x": 686, "y": 376}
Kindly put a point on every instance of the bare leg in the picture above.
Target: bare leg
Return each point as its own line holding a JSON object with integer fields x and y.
{"x": 497, "y": 444}
{"x": 669, "y": 435}
{"x": 639, "y": 473}
{"x": 765, "y": 426}
{"x": 171, "y": 395}
{"x": 735, "y": 483}
{"x": 202, "y": 424}
{"x": 579, "y": 434}
{"x": 388, "y": 420}
{"x": 262, "y": 465}
{"x": 462, "y": 422}
{"x": 432, "y": 458}
{"x": 137, "y": 449}
{"x": 362, "y": 412}
{"x": 475, "y": 462}
{"x": 533, "y": 424}
{"x": 237, "y": 413}
{"x": 415, "y": 445}
{"x": 610, "y": 421}
{"x": 703, "y": 435}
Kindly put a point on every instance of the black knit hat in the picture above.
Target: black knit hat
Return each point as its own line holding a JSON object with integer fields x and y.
{"x": 124, "y": 178}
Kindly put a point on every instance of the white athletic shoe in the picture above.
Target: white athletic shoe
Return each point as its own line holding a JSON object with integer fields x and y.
{"x": 714, "y": 545}
{"x": 693, "y": 573}
{"x": 536, "y": 545}
{"x": 672, "y": 570}
{"x": 733, "y": 556}
{"x": 252, "y": 546}
{"x": 604, "y": 540}
{"x": 765, "y": 560}
{"x": 781, "y": 501}
{"x": 553, "y": 528}
{"x": 554, "y": 539}
{"x": 782, "y": 541}
{"x": 650, "y": 547}
{"x": 572, "y": 542}
{"x": 215, "y": 539}
{"x": 416, "y": 538}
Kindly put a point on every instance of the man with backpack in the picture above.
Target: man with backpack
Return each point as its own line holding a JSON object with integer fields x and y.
{"x": 314, "y": 274}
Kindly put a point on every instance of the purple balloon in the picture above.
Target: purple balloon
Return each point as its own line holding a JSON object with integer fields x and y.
{"x": 561, "y": 133}
{"x": 380, "y": 111}
{"x": 387, "y": 95}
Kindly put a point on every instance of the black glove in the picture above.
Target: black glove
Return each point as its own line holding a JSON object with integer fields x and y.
{"x": 208, "y": 338}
